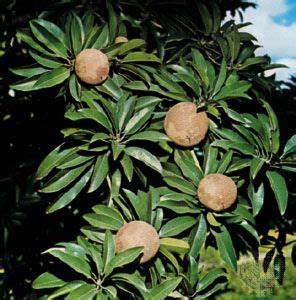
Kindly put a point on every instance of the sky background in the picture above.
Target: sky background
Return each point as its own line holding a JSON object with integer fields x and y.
{"x": 274, "y": 25}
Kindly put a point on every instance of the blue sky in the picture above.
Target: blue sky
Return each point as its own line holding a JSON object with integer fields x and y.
{"x": 274, "y": 25}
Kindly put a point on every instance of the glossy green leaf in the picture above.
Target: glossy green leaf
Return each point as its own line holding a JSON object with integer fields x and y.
{"x": 100, "y": 172}
{"x": 76, "y": 263}
{"x": 140, "y": 57}
{"x": 71, "y": 194}
{"x": 50, "y": 40}
{"x": 46, "y": 281}
{"x": 52, "y": 78}
{"x": 199, "y": 237}
{"x": 145, "y": 157}
{"x": 279, "y": 187}
{"x": 162, "y": 290}
{"x": 225, "y": 247}
{"x": 176, "y": 226}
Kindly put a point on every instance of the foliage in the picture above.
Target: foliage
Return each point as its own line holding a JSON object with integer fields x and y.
{"x": 115, "y": 157}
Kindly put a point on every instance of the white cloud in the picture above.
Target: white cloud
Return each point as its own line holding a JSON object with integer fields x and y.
{"x": 277, "y": 40}
{"x": 284, "y": 73}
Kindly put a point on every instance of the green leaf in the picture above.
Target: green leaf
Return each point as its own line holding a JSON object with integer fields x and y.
{"x": 25, "y": 85}
{"x": 67, "y": 288}
{"x": 97, "y": 116}
{"x": 52, "y": 78}
{"x": 47, "y": 281}
{"x": 130, "y": 45}
{"x": 52, "y": 160}
{"x": 28, "y": 71}
{"x": 75, "y": 88}
{"x": 138, "y": 120}
{"x": 209, "y": 278}
{"x": 206, "y": 17}
{"x": 267, "y": 259}
{"x": 77, "y": 33}
{"x": 127, "y": 165}
{"x": 113, "y": 22}
{"x": 256, "y": 165}
{"x": 162, "y": 290}
{"x": 279, "y": 187}
{"x": 199, "y": 63}
{"x": 225, "y": 162}
{"x": 24, "y": 36}
{"x": 133, "y": 279}
{"x": 257, "y": 198}
{"x": 211, "y": 160}
{"x": 185, "y": 161}
{"x": 65, "y": 180}
{"x": 176, "y": 226}
{"x": 124, "y": 258}
{"x": 170, "y": 257}
{"x": 200, "y": 234}
{"x": 181, "y": 184}
{"x": 290, "y": 147}
{"x": 140, "y": 57}
{"x": 235, "y": 90}
{"x": 100, "y": 172}
{"x": 54, "y": 30}
{"x": 225, "y": 247}
{"x": 175, "y": 245}
{"x": 279, "y": 267}
{"x": 144, "y": 156}
{"x": 103, "y": 221}
{"x": 46, "y": 61}
{"x": 50, "y": 40}
{"x": 110, "y": 212}
{"x": 149, "y": 135}
{"x": 103, "y": 38}
{"x": 108, "y": 249}
{"x": 85, "y": 291}
{"x": 71, "y": 194}
{"x": 221, "y": 78}
{"x": 78, "y": 264}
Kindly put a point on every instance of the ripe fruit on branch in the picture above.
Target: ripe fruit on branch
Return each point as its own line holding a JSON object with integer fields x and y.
{"x": 217, "y": 192}
{"x": 138, "y": 234}
{"x": 92, "y": 66}
{"x": 184, "y": 125}
{"x": 121, "y": 39}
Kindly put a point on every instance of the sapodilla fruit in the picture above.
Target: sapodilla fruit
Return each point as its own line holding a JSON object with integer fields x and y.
{"x": 121, "y": 39}
{"x": 92, "y": 66}
{"x": 184, "y": 125}
{"x": 138, "y": 234}
{"x": 217, "y": 192}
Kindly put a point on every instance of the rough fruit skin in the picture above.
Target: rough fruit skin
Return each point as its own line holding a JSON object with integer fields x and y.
{"x": 121, "y": 39}
{"x": 92, "y": 66}
{"x": 138, "y": 234}
{"x": 184, "y": 125}
{"x": 217, "y": 192}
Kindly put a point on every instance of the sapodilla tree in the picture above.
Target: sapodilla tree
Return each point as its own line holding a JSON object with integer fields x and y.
{"x": 119, "y": 121}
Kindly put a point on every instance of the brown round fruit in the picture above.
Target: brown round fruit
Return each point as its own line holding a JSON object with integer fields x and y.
{"x": 138, "y": 234}
{"x": 92, "y": 66}
{"x": 121, "y": 39}
{"x": 217, "y": 192}
{"x": 184, "y": 125}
